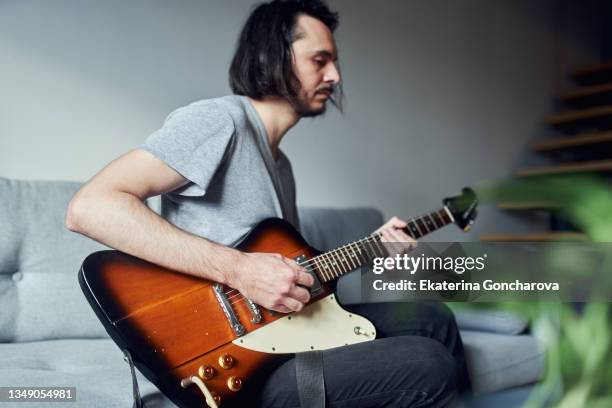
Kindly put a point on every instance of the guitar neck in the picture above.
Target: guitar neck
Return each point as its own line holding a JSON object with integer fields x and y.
{"x": 333, "y": 264}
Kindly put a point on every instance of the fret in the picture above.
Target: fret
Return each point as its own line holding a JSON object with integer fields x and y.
{"x": 436, "y": 217}
{"x": 422, "y": 226}
{"x": 311, "y": 264}
{"x": 350, "y": 265}
{"x": 319, "y": 266}
{"x": 341, "y": 261}
{"x": 362, "y": 260}
{"x": 444, "y": 216}
{"x": 414, "y": 229}
{"x": 368, "y": 249}
{"x": 432, "y": 221}
{"x": 408, "y": 231}
{"x": 333, "y": 264}
{"x": 327, "y": 266}
{"x": 381, "y": 248}
{"x": 347, "y": 255}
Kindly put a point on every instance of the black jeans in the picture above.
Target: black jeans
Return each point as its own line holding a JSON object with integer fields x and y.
{"x": 416, "y": 361}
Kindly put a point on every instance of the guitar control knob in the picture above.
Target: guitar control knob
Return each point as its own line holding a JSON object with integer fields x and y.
{"x": 234, "y": 383}
{"x": 216, "y": 398}
{"x": 206, "y": 372}
{"x": 226, "y": 361}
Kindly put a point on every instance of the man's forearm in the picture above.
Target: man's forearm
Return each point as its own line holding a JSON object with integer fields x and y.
{"x": 122, "y": 221}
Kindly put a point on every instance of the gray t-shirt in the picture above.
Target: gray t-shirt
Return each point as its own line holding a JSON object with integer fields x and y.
{"x": 221, "y": 146}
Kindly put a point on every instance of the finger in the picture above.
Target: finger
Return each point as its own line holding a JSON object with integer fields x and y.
{"x": 410, "y": 242}
{"x": 281, "y": 309}
{"x": 405, "y": 241}
{"x": 292, "y": 304}
{"x": 385, "y": 236}
{"x": 397, "y": 223}
{"x": 390, "y": 243}
{"x": 304, "y": 279}
{"x": 399, "y": 236}
{"x": 300, "y": 294}
{"x": 294, "y": 265}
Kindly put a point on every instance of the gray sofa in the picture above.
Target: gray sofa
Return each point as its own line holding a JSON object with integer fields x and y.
{"x": 50, "y": 337}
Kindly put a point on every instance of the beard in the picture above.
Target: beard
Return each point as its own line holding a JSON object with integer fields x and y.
{"x": 302, "y": 103}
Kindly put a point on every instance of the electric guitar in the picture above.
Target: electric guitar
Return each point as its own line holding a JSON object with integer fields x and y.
{"x": 203, "y": 343}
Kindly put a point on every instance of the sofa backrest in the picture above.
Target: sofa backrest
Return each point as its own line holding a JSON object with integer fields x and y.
{"x": 329, "y": 228}
{"x": 40, "y": 296}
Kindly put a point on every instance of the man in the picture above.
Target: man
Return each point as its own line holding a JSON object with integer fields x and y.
{"x": 219, "y": 169}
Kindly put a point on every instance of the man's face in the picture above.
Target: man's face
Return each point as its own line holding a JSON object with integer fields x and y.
{"x": 314, "y": 64}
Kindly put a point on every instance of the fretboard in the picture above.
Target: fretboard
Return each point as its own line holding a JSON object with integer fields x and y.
{"x": 333, "y": 264}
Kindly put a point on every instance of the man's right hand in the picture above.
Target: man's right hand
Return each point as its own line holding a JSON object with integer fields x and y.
{"x": 272, "y": 281}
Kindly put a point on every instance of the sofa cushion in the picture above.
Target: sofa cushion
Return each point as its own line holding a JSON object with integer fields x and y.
{"x": 94, "y": 366}
{"x": 497, "y": 361}
{"x": 40, "y": 296}
{"x": 493, "y": 321}
{"x": 512, "y": 398}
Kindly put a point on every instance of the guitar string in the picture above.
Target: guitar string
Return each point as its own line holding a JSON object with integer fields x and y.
{"x": 313, "y": 262}
{"x": 332, "y": 270}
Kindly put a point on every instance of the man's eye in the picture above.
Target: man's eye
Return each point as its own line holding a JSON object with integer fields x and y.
{"x": 319, "y": 62}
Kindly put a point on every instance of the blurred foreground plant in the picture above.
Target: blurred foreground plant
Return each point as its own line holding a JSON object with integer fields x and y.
{"x": 578, "y": 344}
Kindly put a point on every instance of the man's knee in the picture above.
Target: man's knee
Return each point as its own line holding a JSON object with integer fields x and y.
{"x": 434, "y": 365}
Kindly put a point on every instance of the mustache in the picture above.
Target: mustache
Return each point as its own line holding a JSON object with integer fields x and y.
{"x": 326, "y": 89}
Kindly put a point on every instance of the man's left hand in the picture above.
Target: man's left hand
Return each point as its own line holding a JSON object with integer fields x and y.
{"x": 397, "y": 241}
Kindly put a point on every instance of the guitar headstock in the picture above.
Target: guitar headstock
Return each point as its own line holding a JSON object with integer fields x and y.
{"x": 463, "y": 208}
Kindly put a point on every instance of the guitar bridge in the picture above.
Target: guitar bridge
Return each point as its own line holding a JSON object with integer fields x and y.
{"x": 256, "y": 316}
{"x": 237, "y": 327}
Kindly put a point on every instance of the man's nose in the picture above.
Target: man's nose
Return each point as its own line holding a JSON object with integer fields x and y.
{"x": 332, "y": 74}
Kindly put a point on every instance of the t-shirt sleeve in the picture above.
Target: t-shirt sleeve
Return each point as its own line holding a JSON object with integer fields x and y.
{"x": 193, "y": 141}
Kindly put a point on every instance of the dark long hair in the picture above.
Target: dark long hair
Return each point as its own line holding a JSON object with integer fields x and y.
{"x": 263, "y": 64}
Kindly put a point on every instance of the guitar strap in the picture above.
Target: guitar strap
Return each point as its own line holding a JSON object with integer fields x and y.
{"x": 310, "y": 379}
{"x": 135, "y": 390}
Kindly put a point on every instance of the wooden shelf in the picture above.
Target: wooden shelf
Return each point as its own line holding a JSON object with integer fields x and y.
{"x": 535, "y": 237}
{"x": 582, "y": 167}
{"x": 527, "y": 206}
{"x": 595, "y": 73}
{"x": 584, "y": 139}
{"x": 577, "y": 116}
{"x": 589, "y": 96}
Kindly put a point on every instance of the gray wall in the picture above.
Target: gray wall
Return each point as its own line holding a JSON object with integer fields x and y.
{"x": 440, "y": 94}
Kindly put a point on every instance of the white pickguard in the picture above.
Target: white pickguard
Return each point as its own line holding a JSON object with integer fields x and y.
{"x": 319, "y": 326}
